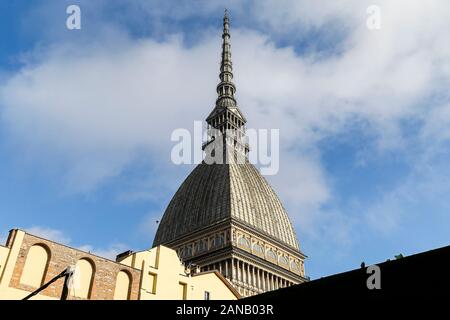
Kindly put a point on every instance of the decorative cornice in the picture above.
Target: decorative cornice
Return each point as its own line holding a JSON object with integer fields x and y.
{"x": 228, "y": 223}
{"x": 267, "y": 237}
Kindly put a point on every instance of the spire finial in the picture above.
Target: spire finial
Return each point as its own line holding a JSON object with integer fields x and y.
{"x": 226, "y": 88}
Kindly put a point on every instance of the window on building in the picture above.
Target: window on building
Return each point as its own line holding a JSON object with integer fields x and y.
{"x": 183, "y": 290}
{"x": 244, "y": 242}
{"x": 83, "y": 279}
{"x": 153, "y": 281}
{"x": 218, "y": 240}
{"x": 123, "y": 286}
{"x": 207, "y": 295}
{"x": 185, "y": 252}
{"x": 35, "y": 268}
{"x": 258, "y": 249}
{"x": 271, "y": 255}
{"x": 197, "y": 247}
{"x": 295, "y": 267}
{"x": 284, "y": 261}
{"x": 203, "y": 245}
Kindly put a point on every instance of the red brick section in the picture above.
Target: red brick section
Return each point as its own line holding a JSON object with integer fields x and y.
{"x": 61, "y": 256}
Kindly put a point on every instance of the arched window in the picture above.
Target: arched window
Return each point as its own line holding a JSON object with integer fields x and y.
{"x": 218, "y": 240}
{"x": 284, "y": 261}
{"x": 258, "y": 249}
{"x": 271, "y": 255}
{"x": 201, "y": 246}
{"x": 123, "y": 286}
{"x": 295, "y": 267}
{"x": 244, "y": 242}
{"x": 35, "y": 268}
{"x": 83, "y": 279}
{"x": 188, "y": 251}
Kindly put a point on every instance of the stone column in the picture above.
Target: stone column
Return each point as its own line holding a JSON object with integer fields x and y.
{"x": 239, "y": 271}
{"x": 249, "y": 276}
{"x": 260, "y": 279}
{"x": 266, "y": 281}
{"x": 226, "y": 269}
{"x": 233, "y": 269}
{"x": 253, "y": 277}
{"x": 263, "y": 287}
{"x": 272, "y": 283}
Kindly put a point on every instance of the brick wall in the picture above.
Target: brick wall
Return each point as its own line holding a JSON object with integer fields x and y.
{"x": 62, "y": 256}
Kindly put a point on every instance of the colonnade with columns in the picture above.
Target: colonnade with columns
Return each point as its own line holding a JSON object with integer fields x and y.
{"x": 249, "y": 279}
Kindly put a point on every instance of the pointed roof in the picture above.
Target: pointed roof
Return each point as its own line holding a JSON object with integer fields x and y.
{"x": 226, "y": 89}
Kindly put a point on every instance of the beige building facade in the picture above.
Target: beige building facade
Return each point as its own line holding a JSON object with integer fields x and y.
{"x": 161, "y": 265}
{"x": 28, "y": 262}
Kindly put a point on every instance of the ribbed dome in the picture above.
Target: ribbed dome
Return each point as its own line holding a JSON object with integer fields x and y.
{"x": 214, "y": 193}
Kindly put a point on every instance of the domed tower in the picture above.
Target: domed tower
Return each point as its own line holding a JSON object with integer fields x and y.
{"x": 225, "y": 216}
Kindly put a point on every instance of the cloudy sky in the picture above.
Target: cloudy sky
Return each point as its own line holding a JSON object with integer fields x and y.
{"x": 364, "y": 117}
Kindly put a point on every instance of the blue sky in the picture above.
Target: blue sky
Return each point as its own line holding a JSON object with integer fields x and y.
{"x": 364, "y": 118}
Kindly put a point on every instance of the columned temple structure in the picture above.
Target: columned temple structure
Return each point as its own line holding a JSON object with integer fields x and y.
{"x": 225, "y": 216}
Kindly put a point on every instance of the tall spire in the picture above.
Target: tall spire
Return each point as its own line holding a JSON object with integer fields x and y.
{"x": 226, "y": 88}
{"x": 226, "y": 116}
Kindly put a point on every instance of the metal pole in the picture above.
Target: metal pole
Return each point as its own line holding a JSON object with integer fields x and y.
{"x": 68, "y": 273}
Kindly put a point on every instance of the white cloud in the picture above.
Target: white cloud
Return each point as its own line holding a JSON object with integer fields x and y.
{"x": 109, "y": 252}
{"x": 95, "y": 113}
{"x": 297, "y": 15}
{"x": 49, "y": 234}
